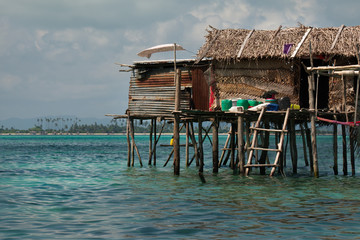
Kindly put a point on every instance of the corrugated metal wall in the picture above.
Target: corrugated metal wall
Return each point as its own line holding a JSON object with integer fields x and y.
{"x": 154, "y": 95}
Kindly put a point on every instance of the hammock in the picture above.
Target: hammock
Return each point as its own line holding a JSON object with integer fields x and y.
{"x": 338, "y": 122}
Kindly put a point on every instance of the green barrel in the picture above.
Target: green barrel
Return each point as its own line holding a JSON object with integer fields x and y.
{"x": 226, "y": 104}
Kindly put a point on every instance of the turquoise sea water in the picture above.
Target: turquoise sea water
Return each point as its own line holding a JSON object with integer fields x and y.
{"x": 79, "y": 187}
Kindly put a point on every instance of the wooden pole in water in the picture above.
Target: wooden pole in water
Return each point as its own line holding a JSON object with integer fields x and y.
{"x": 343, "y": 130}
{"x": 312, "y": 117}
{"x": 293, "y": 149}
{"x": 155, "y": 143}
{"x": 132, "y": 131}
{"x": 241, "y": 152}
{"x": 335, "y": 148}
{"x": 150, "y": 141}
{"x": 308, "y": 140}
{"x": 215, "y": 145}
{"x": 232, "y": 146}
{"x": 352, "y": 150}
{"x": 128, "y": 141}
{"x": 131, "y": 124}
{"x": 201, "y": 151}
{"x": 224, "y": 150}
{"x": 177, "y": 122}
{"x": 195, "y": 145}
{"x": 304, "y": 144}
{"x": 187, "y": 144}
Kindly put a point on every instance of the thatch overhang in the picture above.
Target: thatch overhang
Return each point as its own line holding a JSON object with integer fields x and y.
{"x": 225, "y": 44}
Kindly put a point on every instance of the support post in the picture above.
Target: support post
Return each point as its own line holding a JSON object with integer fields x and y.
{"x": 343, "y": 130}
{"x": 293, "y": 149}
{"x": 187, "y": 144}
{"x": 155, "y": 143}
{"x": 201, "y": 151}
{"x": 335, "y": 149}
{"x": 352, "y": 150}
{"x": 241, "y": 152}
{"x": 128, "y": 141}
{"x": 304, "y": 144}
{"x": 150, "y": 141}
{"x": 177, "y": 122}
{"x": 232, "y": 146}
{"x": 215, "y": 145}
{"x": 312, "y": 117}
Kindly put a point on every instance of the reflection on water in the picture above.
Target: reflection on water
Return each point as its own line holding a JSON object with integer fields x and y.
{"x": 80, "y": 188}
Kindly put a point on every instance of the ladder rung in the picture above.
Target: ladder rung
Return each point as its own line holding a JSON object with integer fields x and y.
{"x": 260, "y": 165}
{"x": 264, "y": 149}
{"x": 268, "y": 130}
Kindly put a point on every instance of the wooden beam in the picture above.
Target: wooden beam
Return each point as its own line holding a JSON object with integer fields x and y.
{"x": 244, "y": 43}
{"x": 301, "y": 42}
{"x": 337, "y": 37}
{"x": 326, "y": 68}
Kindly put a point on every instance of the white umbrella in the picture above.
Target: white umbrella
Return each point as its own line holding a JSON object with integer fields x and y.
{"x": 160, "y": 48}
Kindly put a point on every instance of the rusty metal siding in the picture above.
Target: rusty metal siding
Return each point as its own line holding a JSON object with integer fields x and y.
{"x": 155, "y": 95}
{"x": 200, "y": 90}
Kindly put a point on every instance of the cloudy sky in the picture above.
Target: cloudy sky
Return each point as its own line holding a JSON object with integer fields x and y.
{"x": 57, "y": 57}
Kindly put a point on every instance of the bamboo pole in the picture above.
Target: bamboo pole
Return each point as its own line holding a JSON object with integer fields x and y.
{"x": 131, "y": 124}
{"x": 215, "y": 145}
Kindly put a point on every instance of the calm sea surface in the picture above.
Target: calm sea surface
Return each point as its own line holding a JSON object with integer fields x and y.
{"x": 79, "y": 187}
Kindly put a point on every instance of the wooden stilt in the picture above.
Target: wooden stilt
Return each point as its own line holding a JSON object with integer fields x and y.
{"x": 345, "y": 170}
{"x": 224, "y": 150}
{"x": 335, "y": 148}
{"x": 352, "y": 150}
{"x": 155, "y": 143}
{"x": 215, "y": 145}
{"x": 232, "y": 146}
{"x": 201, "y": 152}
{"x": 195, "y": 145}
{"x": 302, "y": 130}
{"x": 241, "y": 153}
{"x": 312, "y": 117}
{"x": 131, "y": 125}
{"x": 168, "y": 159}
{"x": 176, "y": 144}
{"x": 308, "y": 141}
{"x": 293, "y": 149}
{"x": 128, "y": 141}
{"x": 150, "y": 141}
{"x": 187, "y": 144}
{"x": 134, "y": 144}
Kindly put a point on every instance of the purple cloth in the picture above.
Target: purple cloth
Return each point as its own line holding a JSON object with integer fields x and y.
{"x": 287, "y": 47}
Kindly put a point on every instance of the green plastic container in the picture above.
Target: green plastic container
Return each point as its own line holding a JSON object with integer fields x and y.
{"x": 226, "y": 104}
{"x": 243, "y": 103}
{"x": 253, "y": 103}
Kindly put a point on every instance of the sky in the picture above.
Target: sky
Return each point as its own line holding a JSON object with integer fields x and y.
{"x": 57, "y": 57}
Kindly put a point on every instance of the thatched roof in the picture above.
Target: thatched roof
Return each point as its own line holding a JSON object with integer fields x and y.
{"x": 227, "y": 43}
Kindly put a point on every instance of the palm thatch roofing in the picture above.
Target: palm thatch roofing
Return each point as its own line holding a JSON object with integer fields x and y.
{"x": 226, "y": 44}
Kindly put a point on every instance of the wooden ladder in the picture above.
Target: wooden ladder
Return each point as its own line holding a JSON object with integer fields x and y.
{"x": 254, "y": 144}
